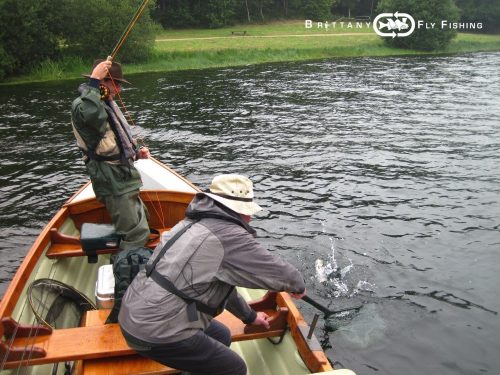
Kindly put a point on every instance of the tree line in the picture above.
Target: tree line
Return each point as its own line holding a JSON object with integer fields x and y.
{"x": 34, "y": 31}
{"x": 219, "y": 13}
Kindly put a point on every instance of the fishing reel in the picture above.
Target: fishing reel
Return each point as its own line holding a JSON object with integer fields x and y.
{"x": 104, "y": 91}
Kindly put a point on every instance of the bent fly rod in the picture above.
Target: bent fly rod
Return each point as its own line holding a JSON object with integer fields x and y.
{"x": 128, "y": 29}
{"x": 117, "y": 47}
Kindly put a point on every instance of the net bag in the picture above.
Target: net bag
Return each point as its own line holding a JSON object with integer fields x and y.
{"x": 56, "y": 304}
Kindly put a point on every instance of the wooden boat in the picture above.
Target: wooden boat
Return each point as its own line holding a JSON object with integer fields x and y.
{"x": 96, "y": 348}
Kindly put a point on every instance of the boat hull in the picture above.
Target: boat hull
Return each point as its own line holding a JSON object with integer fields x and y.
{"x": 96, "y": 348}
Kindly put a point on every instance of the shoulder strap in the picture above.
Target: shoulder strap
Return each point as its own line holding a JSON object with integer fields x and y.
{"x": 170, "y": 242}
{"x": 193, "y": 305}
{"x": 165, "y": 283}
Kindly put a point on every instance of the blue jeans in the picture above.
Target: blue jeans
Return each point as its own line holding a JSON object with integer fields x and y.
{"x": 207, "y": 353}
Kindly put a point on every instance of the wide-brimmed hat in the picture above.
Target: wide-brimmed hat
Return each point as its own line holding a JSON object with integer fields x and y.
{"x": 115, "y": 71}
{"x": 235, "y": 192}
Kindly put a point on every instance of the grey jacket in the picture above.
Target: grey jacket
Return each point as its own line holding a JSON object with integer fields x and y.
{"x": 205, "y": 262}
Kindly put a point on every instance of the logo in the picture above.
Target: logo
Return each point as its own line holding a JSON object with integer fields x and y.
{"x": 395, "y": 25}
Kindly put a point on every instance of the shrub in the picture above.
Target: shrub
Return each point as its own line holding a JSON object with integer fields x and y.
{"x": 37, "y": 32}
{"x": 28, "y": 34}
{"x": 430, "y": 11}
{"x": 95, "y": 26}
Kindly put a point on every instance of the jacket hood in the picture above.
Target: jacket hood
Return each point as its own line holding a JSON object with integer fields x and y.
{"x": 202, "y": 206}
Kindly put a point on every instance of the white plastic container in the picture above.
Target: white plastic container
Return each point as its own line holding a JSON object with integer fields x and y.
{"x": 105, "y": 287}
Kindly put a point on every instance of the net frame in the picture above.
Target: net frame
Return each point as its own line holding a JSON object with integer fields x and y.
{"x": 63, "y": 290}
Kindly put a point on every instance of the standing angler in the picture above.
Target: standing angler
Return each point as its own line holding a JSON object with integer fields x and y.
{"x": 104, "y": 137}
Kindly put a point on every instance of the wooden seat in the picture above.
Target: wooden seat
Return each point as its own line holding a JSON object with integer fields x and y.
{"x": 97, "y": 342}
{"x": 239, "y": 32}
{"x": 133, "y": 364}
{"x": 64, "y": 246}
{"x": 136, "y": 364}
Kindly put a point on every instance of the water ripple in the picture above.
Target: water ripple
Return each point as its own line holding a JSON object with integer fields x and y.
{"x": 391, "y": 162}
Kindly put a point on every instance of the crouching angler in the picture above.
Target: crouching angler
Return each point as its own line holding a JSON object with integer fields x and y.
{"x": 167, "y": 312}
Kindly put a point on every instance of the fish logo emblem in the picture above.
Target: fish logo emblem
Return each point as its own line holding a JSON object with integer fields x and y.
{"x": 395, "y": 25}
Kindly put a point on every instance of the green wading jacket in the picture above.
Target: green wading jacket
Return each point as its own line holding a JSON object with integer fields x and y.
{"x": 93, "y": 131}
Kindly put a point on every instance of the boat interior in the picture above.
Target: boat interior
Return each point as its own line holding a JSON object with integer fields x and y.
{"x": 93, "y": 347}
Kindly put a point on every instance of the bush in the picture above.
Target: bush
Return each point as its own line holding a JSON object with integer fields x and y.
{"x": 485, "y": 11}
{"x": 36, "y": 32}
{"x": 173, "y": 14}
{"x": 318, "y": 10}
{"x": 95, "y": 26}
{"x": 6, "y": 63}
{"x": 28, "y": 34}
{"x": 182, "y": 13}
{"x": 430, "y": 11}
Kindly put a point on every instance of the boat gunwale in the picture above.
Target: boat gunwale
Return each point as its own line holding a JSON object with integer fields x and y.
{"x": 18, "y": 282}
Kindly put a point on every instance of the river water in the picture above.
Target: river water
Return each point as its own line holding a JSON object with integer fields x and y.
{"x": 379, "y": 177}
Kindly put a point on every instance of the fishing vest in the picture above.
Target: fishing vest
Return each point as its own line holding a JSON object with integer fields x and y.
{"x": 116, "y": 144}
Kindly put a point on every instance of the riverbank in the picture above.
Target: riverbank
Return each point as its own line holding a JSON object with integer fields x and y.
{"x": 177, "y": 50}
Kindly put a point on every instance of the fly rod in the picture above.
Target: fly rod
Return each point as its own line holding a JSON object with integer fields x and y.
{"x": 128, "y": 29}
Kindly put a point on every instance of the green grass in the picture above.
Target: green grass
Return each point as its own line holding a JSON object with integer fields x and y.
{"x": 279, "y": 41}
{"x": 274, "y": 28}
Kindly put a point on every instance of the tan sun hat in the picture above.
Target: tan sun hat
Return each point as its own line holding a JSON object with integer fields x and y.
{"x": 235, "y": 192}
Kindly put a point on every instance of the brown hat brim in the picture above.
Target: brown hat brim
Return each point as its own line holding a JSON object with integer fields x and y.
{"x": 114, "y": 79}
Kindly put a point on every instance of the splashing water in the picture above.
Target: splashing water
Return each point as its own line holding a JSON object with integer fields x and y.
{"x": 330, "y": 272}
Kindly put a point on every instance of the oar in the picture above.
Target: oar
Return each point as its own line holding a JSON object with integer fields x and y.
{"x": 325, "y": 310}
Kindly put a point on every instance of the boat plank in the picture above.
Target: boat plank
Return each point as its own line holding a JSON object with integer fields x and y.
{"x": 99, "y": 340}
{"x": 134, "y": 364}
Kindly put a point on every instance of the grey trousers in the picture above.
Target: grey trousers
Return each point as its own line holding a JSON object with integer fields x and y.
{"x": 130, "y": 217}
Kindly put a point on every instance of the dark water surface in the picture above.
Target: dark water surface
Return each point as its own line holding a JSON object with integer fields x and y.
{"x": 380, "y": 179}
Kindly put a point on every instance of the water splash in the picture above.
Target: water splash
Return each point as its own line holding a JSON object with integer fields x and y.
{"x": 329, "y": 272}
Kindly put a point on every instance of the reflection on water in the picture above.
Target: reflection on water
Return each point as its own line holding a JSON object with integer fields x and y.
{"x": 379, "y": 178}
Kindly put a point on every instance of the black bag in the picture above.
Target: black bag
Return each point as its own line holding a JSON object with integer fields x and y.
{"x": 126, "y": 265}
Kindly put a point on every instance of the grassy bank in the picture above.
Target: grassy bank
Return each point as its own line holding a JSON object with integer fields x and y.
{"x": 280, "y": 41}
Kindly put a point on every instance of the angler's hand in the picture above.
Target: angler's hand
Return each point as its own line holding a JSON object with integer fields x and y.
{"x": 262, "y": 319}
{"x": 101, "y": 70}
{"x": 143, "y": 153}
{"x": 298, "y": 295}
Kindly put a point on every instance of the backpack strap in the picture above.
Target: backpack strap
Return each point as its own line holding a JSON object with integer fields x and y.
{"x": 165, "y": 283}
{"x": 193, "y": 305}
{"x": 170, "y": 242}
